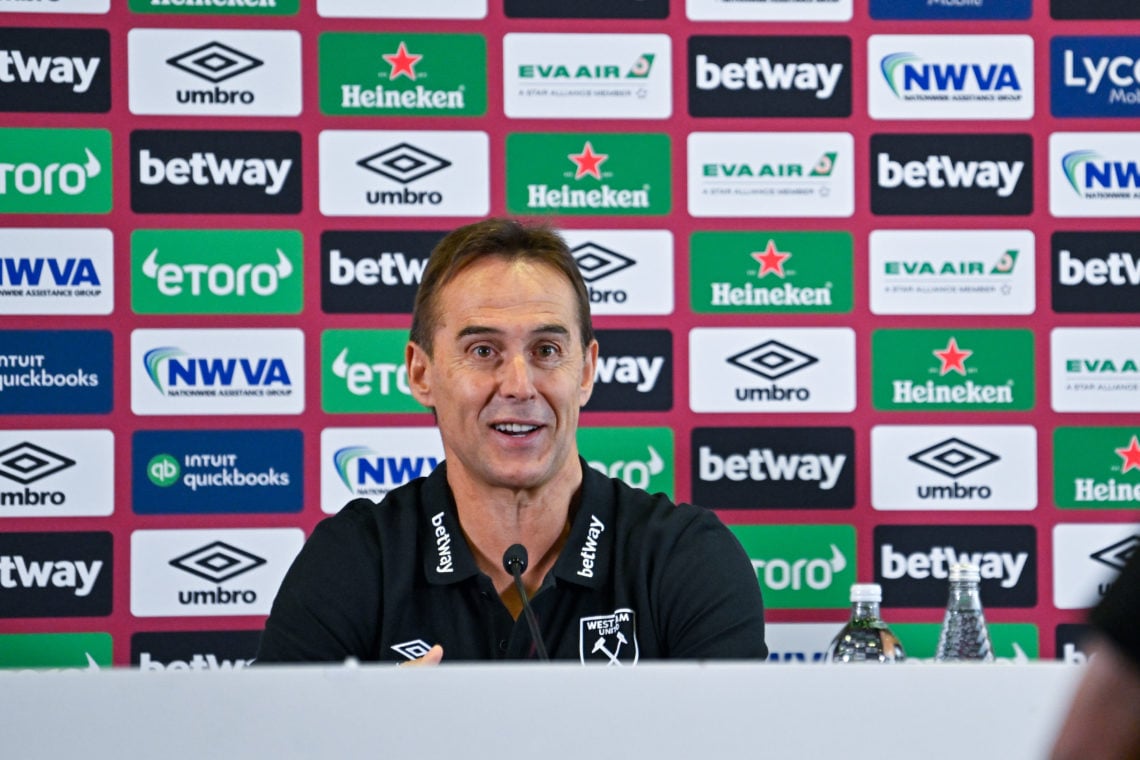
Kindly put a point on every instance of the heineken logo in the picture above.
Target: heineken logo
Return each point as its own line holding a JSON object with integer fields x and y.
{"x": 402, "y": 63}
{"x": 952, "y": 358}
{"x": 1130, "y": 456}
{"x": 587, "y": 163}
{"x": 771, "y": 261}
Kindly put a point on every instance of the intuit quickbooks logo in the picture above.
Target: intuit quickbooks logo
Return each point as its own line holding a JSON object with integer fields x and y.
{"x": 952, "y": 370}
{"x": 56, "y": 171}
{"x": 216, "y": 271}
{"x": 218, "y": 7}
{"x": 363, "y": 371}
{"x": 572, "y": 174}
{"x": 55, "y": 372}
{"x": 1096, "y": 468}
{"x": 641, "y": 457}
{"x": 370, "y": 462}
{"x": 801, "y": 566}
{"x": 1094, "y": 174}
{"x": 403, "y": 74}
{"x": 217, "y": 371}
{"x": 771, "y": 272}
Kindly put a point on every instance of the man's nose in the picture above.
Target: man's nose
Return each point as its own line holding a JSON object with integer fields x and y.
{"x": 515, "y": 378}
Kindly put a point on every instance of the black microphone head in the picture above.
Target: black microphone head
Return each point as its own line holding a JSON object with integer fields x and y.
{"x": 515, "y": 555}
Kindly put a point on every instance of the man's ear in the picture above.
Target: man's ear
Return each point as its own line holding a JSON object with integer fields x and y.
{"x": 589, "y": 370}
{"x": 418, "y": 364}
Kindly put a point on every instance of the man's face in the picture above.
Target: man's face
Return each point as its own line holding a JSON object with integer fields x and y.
{"x": 507, "y": 374}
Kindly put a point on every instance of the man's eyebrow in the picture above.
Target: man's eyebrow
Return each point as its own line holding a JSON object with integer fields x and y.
{"x": 553, "y": 328}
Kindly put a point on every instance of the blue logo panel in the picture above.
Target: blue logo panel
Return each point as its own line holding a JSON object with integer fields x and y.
{"x": 1095, "y": 76}
{"x": 216, "y": 471}
{"x": 951, "y": 9}
{"x": 55, "y": 372}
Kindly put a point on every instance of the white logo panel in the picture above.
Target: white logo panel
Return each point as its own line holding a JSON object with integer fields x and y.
{"x": 799, "y": 642}
{"x": 56, "y": 6}
{"x": 1095, "y": 369}
{"x": 370, "y": 462}
{"x": 218, "y": 371}
{"x": 1094, "y": 174}
{"x": 768, "y": 10}
{"x": 793, "y": 369}
{"x": 214, "y": 72}
{"x": 388, "y": 173}
{"x": 57, "y": 473}
{"x": 192, "y": 573}
{"x": 627, "y": 272}
{"x": 56, "y": 271}
{"x": 788, "y": 174}
{"x": 952, "y": 272}
{"x": 1087, "y": 559}
{"x": 943, "y": 76}
{"x": 953, "y": 467}
{"x": 402, "y": 9}
{"x": 587, "y": 76}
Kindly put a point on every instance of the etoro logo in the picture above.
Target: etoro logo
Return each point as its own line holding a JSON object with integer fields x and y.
{"x": 801, "y": 566}
{"x": 364, "y": 371}
{"x": 55, "y": 171}
{"x": 57, "y": 70}
{"x": 641, "y": 457}
{"x": 1096, "y": 468}
{"x": 26, "y": 463}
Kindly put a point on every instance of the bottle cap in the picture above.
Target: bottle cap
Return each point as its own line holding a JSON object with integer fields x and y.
{"x": 964, "y": 571}
{"x": 866, "y": 592}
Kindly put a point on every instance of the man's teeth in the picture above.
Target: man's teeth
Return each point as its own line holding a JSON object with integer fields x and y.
{"x": 515, "y": 427}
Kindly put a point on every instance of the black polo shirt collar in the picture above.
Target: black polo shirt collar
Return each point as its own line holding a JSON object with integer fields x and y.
{"x": 585, "y": 560}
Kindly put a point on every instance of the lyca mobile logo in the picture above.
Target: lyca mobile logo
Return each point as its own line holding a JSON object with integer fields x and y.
{"x": 801, "y": 566}
{"x": 415, "y": 75}
{"x": 1096, "y": 468}
{"x": 55, "y": 70}
{"x": 55, "y": 171}
{"x": 1095, "y": 76}
{"x": 948, "y": 10}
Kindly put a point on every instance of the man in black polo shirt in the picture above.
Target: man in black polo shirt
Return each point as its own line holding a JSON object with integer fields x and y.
{"x": 503, "y": 352}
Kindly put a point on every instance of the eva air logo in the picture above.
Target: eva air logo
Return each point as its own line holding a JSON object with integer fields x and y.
{"x": 363, "y": 371}
{"x": 58, "y": 171}
{"x": 245, "y": 8}
{"x": 163, "y": 470}
{"x": 1096, "y": 468}
{"x": 642, "y": 457}
{"x": 979, "y": 370}
{"x": 801, "y": 566}
{"x": 771, "y": 272}
{"x": 640, "y": 69}
{"x": 216, "y": 271}
{"x": 403, "y": 74}
{"x": 618, "y": 174}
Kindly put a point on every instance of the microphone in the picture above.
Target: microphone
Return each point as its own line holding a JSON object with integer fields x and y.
{"x": 515, "y": 562}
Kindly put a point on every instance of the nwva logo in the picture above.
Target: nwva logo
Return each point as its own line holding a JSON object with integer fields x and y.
{"x": 169, "y": 367}
{"x": 60, "y": 273}
{"x": 221, "y": 279}
{"x": 1092, "y": 176}
{"x": 906, "y": 73}
{"x": 54, "y": 178}
{"x": 374, "y": 469}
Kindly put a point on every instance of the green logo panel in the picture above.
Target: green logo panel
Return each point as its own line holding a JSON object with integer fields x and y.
{"x": 55, "y": 171}
{"x": 1017, "y": 642}
{"x": 363, "y": 371}
{"x": 217, "y": 271}
{"x": 219, "y": 7}
{"x": 771, "y": 272}
{"x": 642, "y": 457}
{"x": 801, "y": 566}
{"x": 72, "y": 651}
{"x": 403, "y": 74}
{"x": 595, "y": 174}
{"x": 1096, "y": 468}
{"x": 952, "y": 370}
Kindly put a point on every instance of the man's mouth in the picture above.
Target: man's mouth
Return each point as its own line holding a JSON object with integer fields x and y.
{"x": 515, "y": 428}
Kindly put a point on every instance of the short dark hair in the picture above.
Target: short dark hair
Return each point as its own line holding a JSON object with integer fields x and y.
{"x": 509, "y": 239}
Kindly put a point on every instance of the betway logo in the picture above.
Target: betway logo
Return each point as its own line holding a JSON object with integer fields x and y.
{"x": 1114, "y": 269}
{"x": 32, "y": 179}
{"x": 763, "y": 464}
{"x": 1003, "y": 566}
{"x": 635, "y": 473}
{"x": 952, "y": 77}
{"x": 641, "y": 371}
{"x": 942, "y": 171}
{"x": 361, "y": 378}
{"x": 77, "y": 72}
{"x": 15, "y": 572}
{"x": 207, "y": 169}
{"x": 61, "y": 272}
{"x": 195, "y": 662}
{"x": 442, "y": 545}
{"x": 219, "y": 279}
{"x": 762, "y": 74}
{"x": 385, "y": 269}
{"x": 816, "y": 573}
{"x": 1121, "y": 70}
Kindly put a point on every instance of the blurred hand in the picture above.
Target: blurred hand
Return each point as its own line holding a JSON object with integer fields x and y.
{"x": 433, "y": 657}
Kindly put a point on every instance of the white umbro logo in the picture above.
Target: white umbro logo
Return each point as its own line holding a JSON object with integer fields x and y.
{"x": 412, "y": 650}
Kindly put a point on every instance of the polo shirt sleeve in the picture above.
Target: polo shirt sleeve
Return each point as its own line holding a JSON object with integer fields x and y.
{"x": 711, "y": 601}
{"x": 1118, "y": 614}
{"x": 328, "y": 606}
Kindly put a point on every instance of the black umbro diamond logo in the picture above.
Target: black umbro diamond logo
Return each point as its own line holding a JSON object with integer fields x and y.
{"x": 413, "y": 649}
{"x": 772, "y": 360}
{"x": 26, "y": 463}
{"x": 404, "y": 163}
{"x": 954, "y": 458}
{"x": 217, "y": 562}
{"x": 597, "y": 263}
{"x": 214, "y": 62}
{"x": 1117, "y": 555}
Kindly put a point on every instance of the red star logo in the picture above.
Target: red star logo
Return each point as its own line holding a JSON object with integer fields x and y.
{"x": 1131, "y": 456}
{"x": 588, "y": 162}
{"x": 402, "y": 62}
{"x": 771, "y": 260}
{"x": 952, "y": 358}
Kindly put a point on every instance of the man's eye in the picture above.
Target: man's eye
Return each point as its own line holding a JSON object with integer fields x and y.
{"x": 548, "y": 351}
{"x": 483, "y": 352}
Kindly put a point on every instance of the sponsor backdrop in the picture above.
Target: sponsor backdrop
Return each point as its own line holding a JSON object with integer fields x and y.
{"x": 865, "y": 273}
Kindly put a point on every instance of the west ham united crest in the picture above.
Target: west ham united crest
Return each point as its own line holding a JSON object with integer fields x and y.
{"x": 608, "y": 639}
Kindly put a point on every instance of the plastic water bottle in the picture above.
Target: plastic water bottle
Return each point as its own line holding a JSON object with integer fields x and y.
{"x": 865, "y": 638}
{"x": 964, "y": 634}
